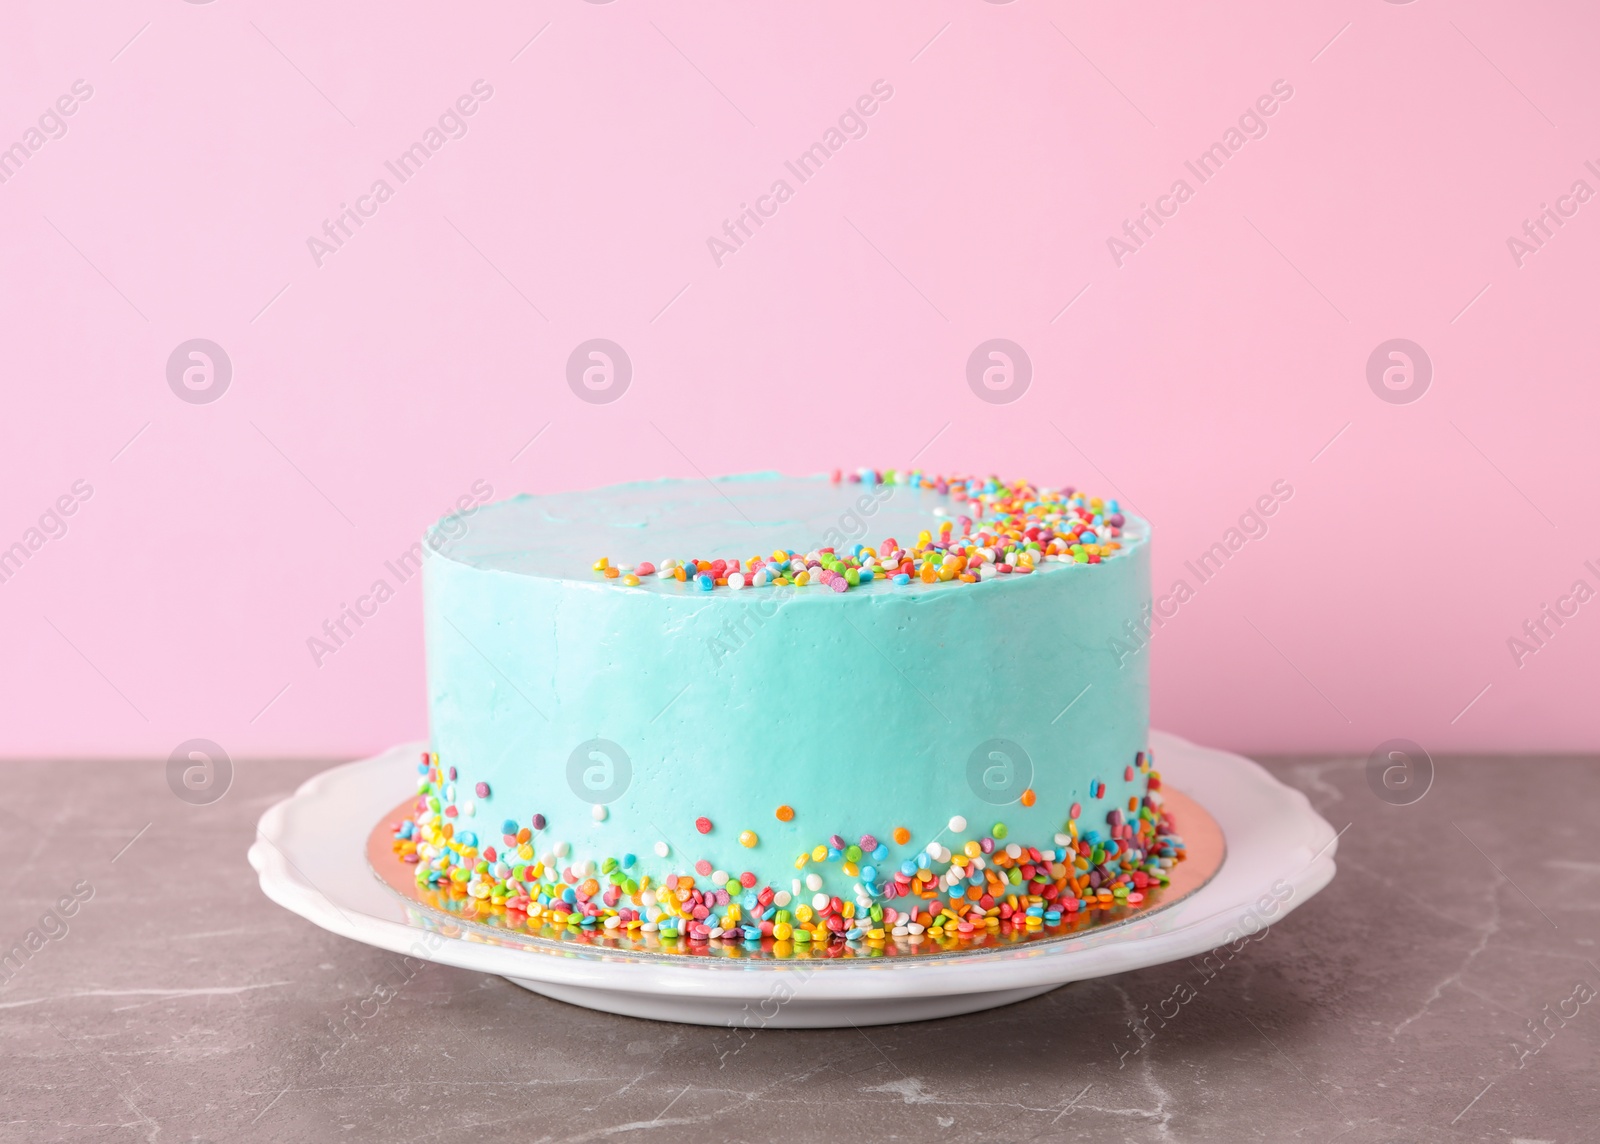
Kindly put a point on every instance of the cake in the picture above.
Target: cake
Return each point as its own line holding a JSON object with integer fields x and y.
{"x": 793, "y": 711}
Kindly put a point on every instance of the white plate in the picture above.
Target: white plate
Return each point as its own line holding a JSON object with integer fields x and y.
{"x": 310, "y": 852}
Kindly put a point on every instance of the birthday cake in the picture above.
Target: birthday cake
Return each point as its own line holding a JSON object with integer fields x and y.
{"x": 789, "y": 712}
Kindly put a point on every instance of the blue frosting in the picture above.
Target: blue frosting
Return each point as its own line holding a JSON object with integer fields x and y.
{"x": 864, "y": 711}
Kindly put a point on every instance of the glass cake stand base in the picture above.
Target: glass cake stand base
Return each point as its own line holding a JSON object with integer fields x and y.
{"x": 1256, "y": 850}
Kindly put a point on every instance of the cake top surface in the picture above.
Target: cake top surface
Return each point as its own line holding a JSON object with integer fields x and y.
{"x": 866, "y": 529}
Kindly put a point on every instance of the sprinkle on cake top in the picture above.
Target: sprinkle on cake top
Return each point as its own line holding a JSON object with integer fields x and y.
{"x": 999, "y": 528}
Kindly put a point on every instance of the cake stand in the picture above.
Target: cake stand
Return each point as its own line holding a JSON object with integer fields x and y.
{"x": 311, "y": 852}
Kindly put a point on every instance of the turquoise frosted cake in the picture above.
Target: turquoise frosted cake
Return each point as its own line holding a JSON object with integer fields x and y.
{"x": 789, "y": 710}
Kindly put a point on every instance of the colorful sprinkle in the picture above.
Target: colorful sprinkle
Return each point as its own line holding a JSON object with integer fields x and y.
{"x": 703, "y": 825}
{"x": 785, "y": 813}
{"x": 1013, "y": 528}
{"x": 1029, "y": 797}
{"x": 482, "y": 790}
{"x": 987, "y": 888}
{"x": 747, "y": 838}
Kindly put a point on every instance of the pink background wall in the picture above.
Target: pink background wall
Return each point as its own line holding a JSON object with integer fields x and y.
{"x": 1228, "y": 353}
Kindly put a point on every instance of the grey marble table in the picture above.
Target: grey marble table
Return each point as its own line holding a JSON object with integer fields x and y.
{"x": 170, "y": 1001}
